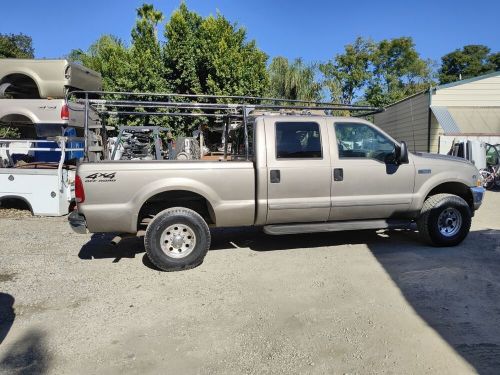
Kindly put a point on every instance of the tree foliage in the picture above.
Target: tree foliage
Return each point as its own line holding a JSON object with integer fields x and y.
{"x": 18, "y": 46}
{"x": 469, "y": 61}
{"x": 376, "y": 73}
{"x": 348, "y": 73}
{"x": 199, "y": 56}
{"x": 109, "y": 56}
{"x": 295, "y": 80}
{"x": 398, "y": 71}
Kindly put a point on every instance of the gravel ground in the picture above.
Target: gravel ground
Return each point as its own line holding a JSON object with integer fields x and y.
{"x": 354, "y": 302}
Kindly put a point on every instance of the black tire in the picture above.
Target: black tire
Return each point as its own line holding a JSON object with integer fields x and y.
{"x": 157, "y": 238}
{"x": 429, "y": 221}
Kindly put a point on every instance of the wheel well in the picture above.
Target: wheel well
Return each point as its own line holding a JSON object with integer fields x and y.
{"x": 175, "y": 198}
{"x": 455, "y": 188}
{"x": 19, "y": 203}
{"x": 22, "y": 86}
{"x": 21, "y": 125}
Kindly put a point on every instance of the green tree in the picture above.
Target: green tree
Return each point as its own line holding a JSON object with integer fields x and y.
{"x": 470, "y": 61}
{"x": 109, "y": 56}
{"x": 210, "y": 56}
{"x": 347, "y": 73}
{"x": 230, "y": 65}
{"x": 294, "y": 80}
{"x": 200, "y": 56}
{"x": 18, "y": 46}
{"x": 146, "y": 65}
{"x": 182, "y": 52}
{"x": 398, "y": 71}
{"x": 494, "y": 60}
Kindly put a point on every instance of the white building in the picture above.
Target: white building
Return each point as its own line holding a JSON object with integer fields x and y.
{"x": 429, "y": 120}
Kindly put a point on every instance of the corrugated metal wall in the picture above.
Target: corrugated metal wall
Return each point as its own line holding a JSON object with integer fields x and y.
{"x": 408, "y": 121}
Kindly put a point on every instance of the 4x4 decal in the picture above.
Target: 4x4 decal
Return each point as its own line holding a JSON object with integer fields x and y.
{"x": 101, "y": 177}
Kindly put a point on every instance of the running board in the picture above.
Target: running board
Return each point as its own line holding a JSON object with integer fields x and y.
{"x": 334, "y": 226}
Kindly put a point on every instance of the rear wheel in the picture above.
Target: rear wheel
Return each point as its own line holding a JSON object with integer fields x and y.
{"x": 445, "y": 220}
{"x": 177, "y": 238}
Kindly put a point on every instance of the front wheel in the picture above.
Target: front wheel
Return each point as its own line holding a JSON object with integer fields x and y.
{"x": 177, "y": 238}
{"x": 445, "y": 220}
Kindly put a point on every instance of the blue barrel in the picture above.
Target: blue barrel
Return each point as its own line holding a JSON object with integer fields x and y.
{"x": 71, "y": 132}
{"x": 47, "y": 156}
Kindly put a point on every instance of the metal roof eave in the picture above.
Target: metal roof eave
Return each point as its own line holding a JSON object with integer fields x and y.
{"x": 468, "y": 80}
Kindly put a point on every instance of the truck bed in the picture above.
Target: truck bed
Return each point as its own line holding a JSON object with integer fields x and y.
{"x": 228, "y": 187}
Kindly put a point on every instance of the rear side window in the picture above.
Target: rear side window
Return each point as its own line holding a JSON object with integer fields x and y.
{"x": 298, "y": 140}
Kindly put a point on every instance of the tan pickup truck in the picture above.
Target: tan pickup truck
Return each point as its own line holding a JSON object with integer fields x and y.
{"x": 305, "y": 174}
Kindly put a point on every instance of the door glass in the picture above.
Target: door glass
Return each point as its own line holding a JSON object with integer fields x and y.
{"x": 363, "y": 141}
{"x": 298, "y": 140}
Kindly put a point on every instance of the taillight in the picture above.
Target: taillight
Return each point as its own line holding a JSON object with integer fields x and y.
{"x": 79, "y": 193}
{"x": 65, "y": 112}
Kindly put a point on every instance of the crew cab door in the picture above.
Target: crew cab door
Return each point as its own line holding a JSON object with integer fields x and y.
{"x": 298, "y": 167}
{"x": 367, "y": 182}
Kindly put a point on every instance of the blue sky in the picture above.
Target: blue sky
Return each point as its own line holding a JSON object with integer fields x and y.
{"x": 314, "y": 29}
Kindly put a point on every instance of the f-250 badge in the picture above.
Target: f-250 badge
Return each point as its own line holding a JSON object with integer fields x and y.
{"x": 101, "y": 177}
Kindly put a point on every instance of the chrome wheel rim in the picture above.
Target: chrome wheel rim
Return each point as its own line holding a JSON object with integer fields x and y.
{"x": 449, "y": 222}
{"x": 178, "y": 241}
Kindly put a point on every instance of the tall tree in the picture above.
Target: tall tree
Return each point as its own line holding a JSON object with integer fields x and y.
{"x": 294, "y": 80}
{"x": 347, "y": 73}
{"x": 398, "y": 71}
{"x": 200, "y": 56}
{"x": 147, "y": 70}
{"x": 16, "y": 46}
{"x": 470, "y": 61}
{"x": 230, "y": 65}
{"x": 182, "y": 53}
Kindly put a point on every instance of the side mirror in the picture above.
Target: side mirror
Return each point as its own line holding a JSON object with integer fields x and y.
{"x": 402, "y": 153}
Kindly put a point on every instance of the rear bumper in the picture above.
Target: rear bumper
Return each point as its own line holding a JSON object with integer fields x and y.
{"x": 477, "y": 195}
{"x": 77, "y": 222}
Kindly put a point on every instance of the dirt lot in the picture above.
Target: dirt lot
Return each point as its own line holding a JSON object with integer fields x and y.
{"x": 358, "y": 302}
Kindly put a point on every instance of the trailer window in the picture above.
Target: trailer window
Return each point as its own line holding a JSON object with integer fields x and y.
{"x": 298, "y": 140}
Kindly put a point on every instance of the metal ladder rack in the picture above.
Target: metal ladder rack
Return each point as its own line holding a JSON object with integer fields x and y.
{"x": 228, "y": 108}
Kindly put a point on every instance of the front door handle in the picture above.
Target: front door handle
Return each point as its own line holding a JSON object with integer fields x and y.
{"x": 338, "y": 174}
{"x": 275, "y": 176}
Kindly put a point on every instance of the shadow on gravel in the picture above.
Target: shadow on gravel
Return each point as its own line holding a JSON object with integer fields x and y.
{"x": 27, "y": 355}
{"x": 100, "y": 247}
{"x": 455, "y": 290}
{"x": 7, "y": 314}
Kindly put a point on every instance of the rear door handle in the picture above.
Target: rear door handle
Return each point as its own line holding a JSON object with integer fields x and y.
{"x": 338, "y": 174}
{"x": 275, "y": 176}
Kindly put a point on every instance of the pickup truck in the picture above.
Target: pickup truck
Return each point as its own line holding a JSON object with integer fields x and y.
{"x": 306, "y": 173}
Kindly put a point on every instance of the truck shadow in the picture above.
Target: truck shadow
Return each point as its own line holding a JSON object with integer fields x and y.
{"x": 100, "y": 247}
{"x": 7, "y": 314}
{"x": 27, "y": 355}
{"x": 456, "y": 290}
